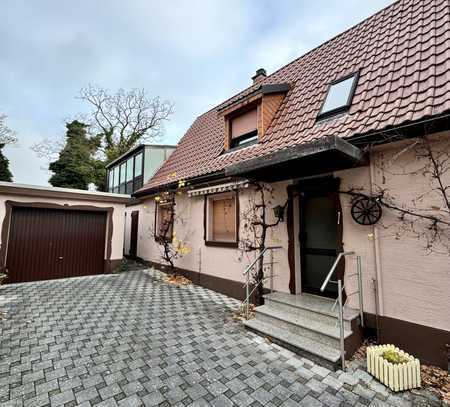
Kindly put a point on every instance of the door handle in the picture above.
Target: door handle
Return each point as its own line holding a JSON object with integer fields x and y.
{"x": 60, "y": 257}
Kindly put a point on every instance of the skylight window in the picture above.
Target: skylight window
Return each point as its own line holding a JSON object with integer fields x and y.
{"x": 339, "y": 96}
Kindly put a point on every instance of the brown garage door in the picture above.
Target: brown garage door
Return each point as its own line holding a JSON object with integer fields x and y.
{"x": 53, "y": 243}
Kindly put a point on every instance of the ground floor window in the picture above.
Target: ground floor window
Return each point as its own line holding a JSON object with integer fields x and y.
{"x": 221, "y": 219}
{"x": 164, "y": 221}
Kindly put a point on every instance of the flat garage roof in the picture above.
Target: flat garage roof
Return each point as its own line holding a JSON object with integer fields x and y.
{"x": 12, "y": 188}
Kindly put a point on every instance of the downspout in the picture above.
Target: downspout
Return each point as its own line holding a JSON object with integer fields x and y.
{"x": 377, "y": 251}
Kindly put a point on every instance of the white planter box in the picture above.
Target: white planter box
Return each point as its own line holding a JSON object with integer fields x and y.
{"x": 397, "y": 377}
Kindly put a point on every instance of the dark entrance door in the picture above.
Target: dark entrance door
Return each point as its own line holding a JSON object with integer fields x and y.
{"x": 45, "y": 244}
{"x": 134, "y": 233}
{"x": 320, "y": 234}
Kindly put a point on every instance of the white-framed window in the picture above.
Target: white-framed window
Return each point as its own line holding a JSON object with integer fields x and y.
{"x": 138, "y": 165}
{"x": 111, "y": 180}
{"x": 129, "y": 177}
{"x": 339, "y": 96}
{"x": 129, "y": 169}
{"x": 123, "y": 170}
{"x": 222, "y": 219}
{"x": 116, "y": 177}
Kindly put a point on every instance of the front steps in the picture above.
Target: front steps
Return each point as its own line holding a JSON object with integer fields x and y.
{"x": 306, "y": 325}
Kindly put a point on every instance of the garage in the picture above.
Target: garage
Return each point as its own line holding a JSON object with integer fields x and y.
{"x": 50, "y": 233}
{"x": 54, "y": 243}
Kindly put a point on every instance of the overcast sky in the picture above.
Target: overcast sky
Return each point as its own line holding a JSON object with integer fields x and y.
{"x": 193, "y": 53}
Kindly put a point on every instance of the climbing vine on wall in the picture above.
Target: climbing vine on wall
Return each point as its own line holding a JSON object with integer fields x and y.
{"x": 425, "y": 214}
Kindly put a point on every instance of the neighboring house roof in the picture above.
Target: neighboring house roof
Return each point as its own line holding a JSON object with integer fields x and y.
{"x": 136, "y": 148}
{"x": 402, "y": 54}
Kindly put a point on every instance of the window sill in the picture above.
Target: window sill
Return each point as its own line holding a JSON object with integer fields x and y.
{"x": 238, "y": 148}
{"x": 212, "y": 243}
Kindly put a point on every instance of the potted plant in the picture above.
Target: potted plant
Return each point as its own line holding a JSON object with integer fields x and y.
{"x": 3, "y": 274}
{"x": 394, "y": 368}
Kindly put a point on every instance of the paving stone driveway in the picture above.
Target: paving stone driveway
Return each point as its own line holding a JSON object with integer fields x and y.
{"x": 133, "y": 340}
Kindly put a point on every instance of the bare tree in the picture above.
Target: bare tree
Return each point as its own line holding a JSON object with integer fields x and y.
{"x": 7, "y": 135}
{"x": 124, "y": 118}
{"x": 121, "y": 119}
{"x": 49, "y": 149}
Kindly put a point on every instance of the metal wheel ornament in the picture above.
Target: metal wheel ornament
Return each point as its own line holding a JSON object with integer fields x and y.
{"x": 366, "y": 211}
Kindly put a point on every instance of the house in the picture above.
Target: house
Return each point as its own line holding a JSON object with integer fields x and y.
{"x": 340, "y": 139}
{"x": 49, "y": 233}
{"x": 127, "y": 174}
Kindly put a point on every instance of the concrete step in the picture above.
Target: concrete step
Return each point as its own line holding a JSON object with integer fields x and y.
{"x": 301, "y": 325}
{"x": 309, "y": 348}
{"x": 311, "y": 306}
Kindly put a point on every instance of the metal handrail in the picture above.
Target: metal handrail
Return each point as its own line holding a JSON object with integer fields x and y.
{"x": 333, "y": 267}
{"x": 340, "y": 299}
{"x": 341, "y": 324}
{"x": 250, "y": 266}
{"x": 247, "y": 280}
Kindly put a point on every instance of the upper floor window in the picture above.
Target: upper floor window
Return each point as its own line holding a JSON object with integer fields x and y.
{"x": 122, "y": 178}
{"x": 339, "y": 96}
{"x": 126, "y": 177}
{"x": 116, "y": 179}
{"x": 138, "y": 165}
{"x": 243, "y": 129}
{"x": 129, "y": 176}
{"x": 110, "y": 180}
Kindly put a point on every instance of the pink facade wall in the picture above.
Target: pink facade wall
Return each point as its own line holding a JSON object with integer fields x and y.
{"x": 412, "y": 285}
{"x": 217, "y": 261}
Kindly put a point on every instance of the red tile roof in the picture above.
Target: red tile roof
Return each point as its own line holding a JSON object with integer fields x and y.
{"x": 403, "y": 56}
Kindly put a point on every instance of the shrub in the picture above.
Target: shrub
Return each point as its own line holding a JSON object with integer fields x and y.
{"x": 394, "y": 357}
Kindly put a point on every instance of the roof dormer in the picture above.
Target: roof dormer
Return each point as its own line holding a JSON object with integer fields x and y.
{"x": 247, "y": 118}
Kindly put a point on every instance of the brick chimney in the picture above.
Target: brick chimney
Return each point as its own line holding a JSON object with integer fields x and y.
{"x": 259, "y": 76}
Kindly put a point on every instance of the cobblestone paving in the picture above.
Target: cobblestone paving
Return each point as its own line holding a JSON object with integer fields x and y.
{"x": 132, "y": 340}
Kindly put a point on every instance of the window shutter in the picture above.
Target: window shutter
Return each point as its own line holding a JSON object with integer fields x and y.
{"x": 224, "y": 220}
{"x": 243, "y": 124}
{"x": 163, "y": 222}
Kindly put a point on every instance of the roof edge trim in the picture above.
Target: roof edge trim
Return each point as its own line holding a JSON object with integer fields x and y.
{"x": 300, "y": 151}
{"x": 265, "y": 89}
